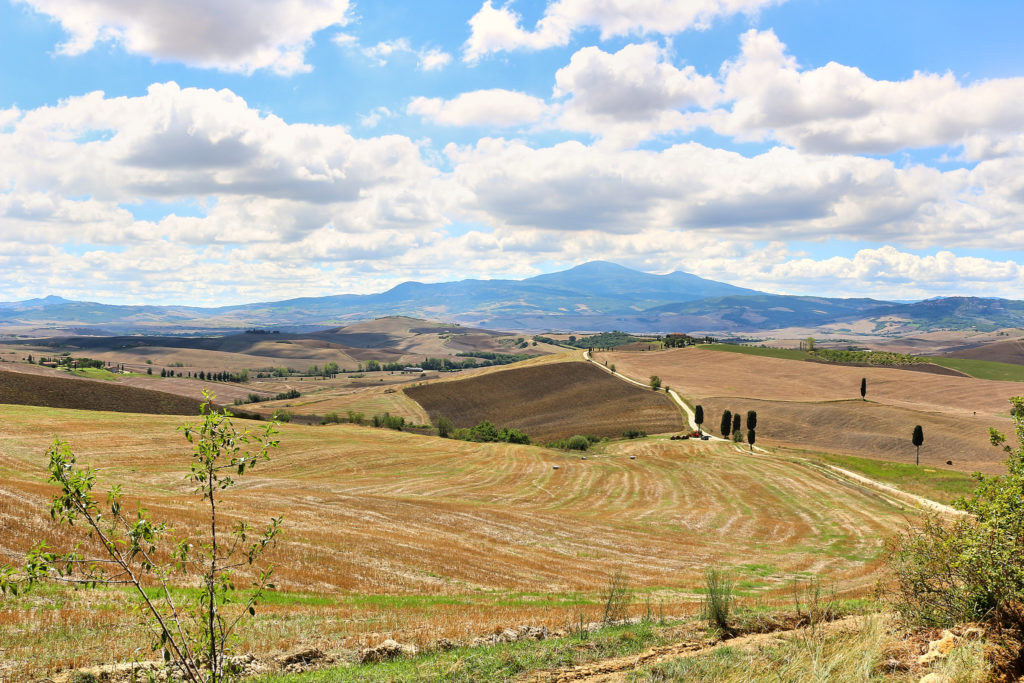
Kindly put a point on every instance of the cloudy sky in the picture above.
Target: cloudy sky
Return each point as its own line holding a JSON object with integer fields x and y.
{"x": 225, "y": 151}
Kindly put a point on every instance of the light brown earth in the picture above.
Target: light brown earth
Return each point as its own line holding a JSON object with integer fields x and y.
{"x": 817, "y": 406}
{"x": 467, "y": 532}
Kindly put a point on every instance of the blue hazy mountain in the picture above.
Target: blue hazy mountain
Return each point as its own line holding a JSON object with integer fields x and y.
{"x": 594, "y": 296}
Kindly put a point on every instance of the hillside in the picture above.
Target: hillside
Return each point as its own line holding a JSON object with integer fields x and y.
{"x": 550, "y": 402}
{"x": 420, "y": 537}
{"x": 817, "y": 406}
{"x": 1006, "y": 351}
{"x": 18, "y": 388}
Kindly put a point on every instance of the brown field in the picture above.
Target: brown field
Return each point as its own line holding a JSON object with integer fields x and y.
{"x": 550, "y": 401}
{"x": 389, "y": 534}
{"x": 1006, "y": 351}
{"x": 83, "y": 394}
{"x": 371, "y": 400}
{"x": 812, "y": 405}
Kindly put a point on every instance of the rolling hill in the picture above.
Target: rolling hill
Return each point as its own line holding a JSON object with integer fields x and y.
{"x": 595, "y": 296}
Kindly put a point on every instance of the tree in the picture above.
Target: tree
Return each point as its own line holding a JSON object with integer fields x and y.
{"x": 917, "y": 439}
{"x": 863, "y": 388}
{"x": 726, "y": 426}
{"x": 751, "y": 437}
{"x": 192, "y": 626}
{"x": 751, "y": 419}
{"x": 737, "y": 422}
{"x": 655, "y": 382}
{"x": 698, "y": 416}
{"x": 445, "y": 427}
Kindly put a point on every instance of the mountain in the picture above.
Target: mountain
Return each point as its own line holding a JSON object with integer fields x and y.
{"x": 594, "y": 296}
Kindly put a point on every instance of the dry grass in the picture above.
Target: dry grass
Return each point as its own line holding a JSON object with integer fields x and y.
{"x": 1007, "y": 351}
{"x": 550, "y": 401}
{"x": 818, "y": 406}
{"x": 456, "y": 539}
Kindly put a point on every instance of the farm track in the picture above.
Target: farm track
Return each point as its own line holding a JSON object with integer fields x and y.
{"x": 818, "y": 406}
{"x": 616, "y": 670}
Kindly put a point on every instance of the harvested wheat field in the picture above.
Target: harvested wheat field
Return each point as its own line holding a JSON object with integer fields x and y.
{"x": 818, "y": 406}
{"x": 415, "y": 537}
{"x": 550, "y": 401}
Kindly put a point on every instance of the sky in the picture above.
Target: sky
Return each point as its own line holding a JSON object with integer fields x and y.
{"x": 214, "y": 152}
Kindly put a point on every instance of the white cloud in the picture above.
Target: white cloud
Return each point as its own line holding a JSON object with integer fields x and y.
{"x": 428, "y": 59}
{"x": 837, "y": 108}
{"x": 499, "y": 29}
{"x": 433, "y": 59}
{"x": 630, "y": 95}
{"x": 230, "y": 35}
{"x": 375, "y": 116}
{"x": 494, "y": 108}
{"x": 780, "y": 194}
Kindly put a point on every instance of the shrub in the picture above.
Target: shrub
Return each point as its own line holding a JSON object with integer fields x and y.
{"x": 281, "y": 415}
{"x": 972, "y": 568}
{"x": 634, "y": 433}
{"x": 355, "y": 418}
{"x": 718, "y": 598}
{"x": 617, "y": 597}
{"x": 445, "y": 427}
{"x": 330, "y": 418}
{"x": 578, "y": 443}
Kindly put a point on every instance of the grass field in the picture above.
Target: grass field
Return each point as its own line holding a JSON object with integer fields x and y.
{"x": 817, "y": 406}
{"x": 414, "y": 537}
{"x": 983, "y": 369}
{"x": 978, "y": 368}
{"x": 550, "y": 401}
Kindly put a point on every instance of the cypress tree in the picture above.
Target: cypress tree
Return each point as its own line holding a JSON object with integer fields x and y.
{"x": 726, "y": 425}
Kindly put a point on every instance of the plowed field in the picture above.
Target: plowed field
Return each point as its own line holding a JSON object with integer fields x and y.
{"x": 550, "y": 401}
{"x": 818, "y": 406}
{"x": 66, "y": 392}
{"x": 393, "y": 534}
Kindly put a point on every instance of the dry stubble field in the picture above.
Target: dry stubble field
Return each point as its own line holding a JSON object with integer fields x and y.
{"x": 415, "y": 537}
{"x": 818, "y": 406}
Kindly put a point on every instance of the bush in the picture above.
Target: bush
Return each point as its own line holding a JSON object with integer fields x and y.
{"x": 970, "y": 569}
{"x": 578, "y": 443}
{"x": 281, "y": 415}
{"x": 330, "y": 418}
{"x": 634, "y": 433}
{"x": 445, "y": 427}
{"x": 718, "y": 598}
{"x": 355, "y": 418}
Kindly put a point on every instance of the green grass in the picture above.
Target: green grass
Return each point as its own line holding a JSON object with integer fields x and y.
{"x": 94, "y": 373}
{"x": 493, "y": 663}
{"x": 943, "y": 486}
{"x": 858, "y": 654}
{"x": 982, "y": 369}
{"x": 789, "y": 354}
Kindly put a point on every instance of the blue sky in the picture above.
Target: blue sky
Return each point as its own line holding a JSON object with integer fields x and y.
{"x": 202, "y": 152}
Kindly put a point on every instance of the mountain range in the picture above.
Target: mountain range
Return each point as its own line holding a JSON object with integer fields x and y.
{"x": 595, "y": 296}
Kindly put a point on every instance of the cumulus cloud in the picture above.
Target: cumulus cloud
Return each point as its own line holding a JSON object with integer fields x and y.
{"x": 499, "y": 29}
{"x": 630, "y": 95}
{"x": 495, "y": 108}
{"x": 780, "y": 194}
{"x": 230, "y": 35}
{"x": 269, "y": 180}
{"x": 837, "y": 108}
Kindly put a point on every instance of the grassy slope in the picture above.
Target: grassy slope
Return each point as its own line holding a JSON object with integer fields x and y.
{"x": 418, "y": 537}
{"x": 980, "y": 369}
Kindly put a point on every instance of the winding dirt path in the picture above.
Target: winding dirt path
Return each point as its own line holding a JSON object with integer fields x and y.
{"x": 615, "y": 670}
{"x": 902, "y": 496}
